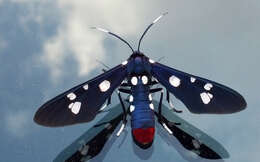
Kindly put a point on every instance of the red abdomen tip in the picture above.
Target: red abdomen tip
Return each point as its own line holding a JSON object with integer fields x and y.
{"x": 143, "y": 135}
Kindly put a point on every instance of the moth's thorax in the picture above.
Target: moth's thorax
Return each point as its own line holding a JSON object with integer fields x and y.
{"x": 138, "y": 65}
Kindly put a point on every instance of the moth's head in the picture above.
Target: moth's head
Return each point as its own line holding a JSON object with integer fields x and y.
{"x": 138, "y": 64}
{"x": 137, "y": 57}
{"x": 136, "y": 54}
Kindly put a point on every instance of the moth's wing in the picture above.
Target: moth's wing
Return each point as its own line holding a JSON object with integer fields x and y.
{"x": 191, "y": 137}
{"x": 81, "y": 103}
{"x": 198, "y": 95}
{"x": 93, "y": 140}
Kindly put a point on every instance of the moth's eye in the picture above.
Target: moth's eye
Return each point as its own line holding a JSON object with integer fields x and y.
{"x": 144, "y": 79}
{"x": 134, "y": 80}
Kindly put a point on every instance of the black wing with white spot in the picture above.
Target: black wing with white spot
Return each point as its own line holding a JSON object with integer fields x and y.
{"x": 198, "y": 95}
{"x": 81, "y": 103}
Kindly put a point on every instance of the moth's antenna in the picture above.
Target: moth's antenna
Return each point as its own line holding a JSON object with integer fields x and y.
{"x": 157, "y": 19}
{"x": 106, "y": 31}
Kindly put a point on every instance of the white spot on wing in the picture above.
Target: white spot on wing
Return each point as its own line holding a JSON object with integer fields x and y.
{"x": 151, "y": 61}
{"x": 104, "y": 86}
{"x": 76, "y": 107}
{"x": 125, "y": 62}
{"x": 208, "y": 86}
{"x": 85, "y": 87}
{"x": 205, "y": 97}
{"x": 210, "y": 95}
{"x": 71, "y": 96}
{"x": 134, "y": 80}
{"x": 132, "y": 108}
{"x": 144, "y": 79}
{"x": 71, "y": 105}
{"x": 174, "y": 81}
{"x": 192, "y": 79}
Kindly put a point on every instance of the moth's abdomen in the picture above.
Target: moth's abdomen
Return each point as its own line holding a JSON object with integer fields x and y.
{"x": 143, "y": 136}
{"x": 142, "y": 117}
{"x": 142, "y": 122}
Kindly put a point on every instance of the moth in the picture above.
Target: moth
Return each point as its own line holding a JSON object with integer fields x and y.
{"x": 137, "y": 77}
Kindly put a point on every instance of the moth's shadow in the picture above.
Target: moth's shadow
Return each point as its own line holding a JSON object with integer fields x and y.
{"x": 146, "y": 154}
{"x": 100, "y": 157}
{"x": 141, "y": 153}
{"x": 186, "y": 154}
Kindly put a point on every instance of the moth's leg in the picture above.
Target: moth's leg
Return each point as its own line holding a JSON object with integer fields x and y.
{"x": 103, "y": 107}
{"x": 159, "y": 115}
{"x": 160, "y": 108}
{"x": 155, "y": 90}
{"x": 170, "y": 102}
{"x": 124, "y": 115}
{"x": 154, "y": 82}
{"x": 124, "y": 90}
{"x": 160, "y": 118}
{"x": 125, "y": 85}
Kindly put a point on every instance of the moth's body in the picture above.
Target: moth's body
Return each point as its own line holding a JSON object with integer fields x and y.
{"x": 141, "y": 108}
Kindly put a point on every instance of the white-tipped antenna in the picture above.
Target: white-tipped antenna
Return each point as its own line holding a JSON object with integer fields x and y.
{"x": 100, "y": 29}
{"x": 156, "y": 20}
{"x": 106, "y": 31}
